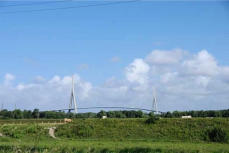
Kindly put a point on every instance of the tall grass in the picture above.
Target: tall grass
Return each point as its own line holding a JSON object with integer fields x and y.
{"x": 163, "y": 129}
{"x": 17, "y": 149}
{"x": 116, "y": 136}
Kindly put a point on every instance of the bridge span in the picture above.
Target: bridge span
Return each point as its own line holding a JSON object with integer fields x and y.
{"x": 105, "y": 107}
{"x": 73, "y": 104}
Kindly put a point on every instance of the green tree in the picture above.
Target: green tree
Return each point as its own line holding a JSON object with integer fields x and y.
{"x": 35, "y": 113}
{"x": 152, "y": 119}
{"x": 119, "y": 114}
{"x": 101, "y": 113}
{"x": 17, "y": 113}
{"x": 27, "y": 114}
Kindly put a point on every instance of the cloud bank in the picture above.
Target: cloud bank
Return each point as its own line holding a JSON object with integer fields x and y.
{"x": 183, "y": 81}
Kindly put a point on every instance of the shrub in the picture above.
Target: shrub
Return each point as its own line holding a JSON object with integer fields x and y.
{"x": 137, "y": 150}
{"x": 216, "y": 134}
{"x": 152, "y": 119}
{"x": 82, "y": 130}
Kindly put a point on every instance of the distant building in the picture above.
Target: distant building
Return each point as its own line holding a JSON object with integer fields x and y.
{"x": 104, "y": 117}
{"x": 186, "y": 116}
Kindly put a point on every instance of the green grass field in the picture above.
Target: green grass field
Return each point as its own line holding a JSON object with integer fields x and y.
{"x": 114, "y": 135}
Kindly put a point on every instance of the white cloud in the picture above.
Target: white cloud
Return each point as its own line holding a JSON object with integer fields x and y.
{"x": 8, "y": 78}
{"x": 161, "y": 57}
{"x": 168, "y": 77}
{"x": 20, "y": 86}
{"x": 201, "y": 64}
{"x": 55, "y": 79}
{"x": 224, "y": 73}
{"x": 183, "y": 81}
{"x": 39, "y": 79}
{"x": 67, "y": 80}
{"x": 202, "y": 80}
{"x": 51, "y": 94}
{"x": 137, "y": 71}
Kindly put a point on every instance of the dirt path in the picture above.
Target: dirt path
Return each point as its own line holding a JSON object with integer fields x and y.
{"x": 52, "y": 132}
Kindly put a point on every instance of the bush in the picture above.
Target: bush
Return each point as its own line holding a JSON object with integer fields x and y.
{"x": 152, "y": 119}
{"x": 137, "y": 150}
{"x": 73, "y": 130}
{"x": 82, "y": 130}
{"x": 216, "y": 134}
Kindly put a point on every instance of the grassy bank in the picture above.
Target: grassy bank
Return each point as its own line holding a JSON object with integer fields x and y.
{"x": 116, "y": 136}
{"x": 191, "y": 130}
{"x": 108, "y": 146}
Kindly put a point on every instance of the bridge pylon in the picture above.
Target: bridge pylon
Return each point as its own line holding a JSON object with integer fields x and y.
{"x": 155, "y": 109}
{"x": 73, "y": 104}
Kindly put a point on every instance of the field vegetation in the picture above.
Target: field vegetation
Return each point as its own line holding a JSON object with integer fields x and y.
{"x": 172, "y": 135}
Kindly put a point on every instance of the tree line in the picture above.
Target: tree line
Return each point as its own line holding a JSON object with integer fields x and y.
{"x": 36, "y": 114}
{"x": 201, "y": 113}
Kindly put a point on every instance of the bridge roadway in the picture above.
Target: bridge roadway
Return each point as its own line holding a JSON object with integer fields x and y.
{"x": 125, "y": 108}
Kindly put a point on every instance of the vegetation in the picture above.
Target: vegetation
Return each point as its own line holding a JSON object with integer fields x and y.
{"x": 207, "y": 113}
{"x": 95, "y": 146}
{"x": 152, "y": 119}
{"x": 194, "y": 130}
{"x": 35, "y": 114}
{"x": 216, "y": 134}
{"x": 163, "y": 129}
{"x": 118, "y": 136}
{"x": 133, "y": 132}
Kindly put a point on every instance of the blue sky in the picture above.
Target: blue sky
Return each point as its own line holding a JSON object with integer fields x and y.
{"x": 84, "y": 41}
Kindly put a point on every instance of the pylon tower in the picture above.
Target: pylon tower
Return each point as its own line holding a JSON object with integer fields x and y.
{"x": 73, "y": 98}
{"x": 155, "y": 110}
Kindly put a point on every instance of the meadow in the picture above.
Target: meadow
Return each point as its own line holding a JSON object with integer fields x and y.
{"x": 114, "y": 136}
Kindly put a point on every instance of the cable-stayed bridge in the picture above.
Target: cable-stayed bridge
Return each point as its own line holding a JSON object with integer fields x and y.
{"x": 73, "y": 105}
{"x": 101, "y": 107}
